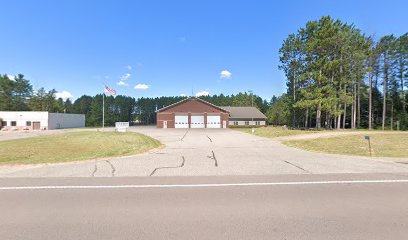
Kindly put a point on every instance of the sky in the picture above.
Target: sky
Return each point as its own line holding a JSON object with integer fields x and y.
{"x": 168, "y": 48}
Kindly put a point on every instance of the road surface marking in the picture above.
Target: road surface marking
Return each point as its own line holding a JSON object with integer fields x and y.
{"x": 206, "y": 185}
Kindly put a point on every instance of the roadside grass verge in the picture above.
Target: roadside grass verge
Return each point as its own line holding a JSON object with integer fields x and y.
{"x": 382, "y": 144}
{"x": 273, "y": 132}
{"x": 74, "y": 146}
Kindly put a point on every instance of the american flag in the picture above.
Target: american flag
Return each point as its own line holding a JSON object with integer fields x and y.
{"x": 110, "y": 91}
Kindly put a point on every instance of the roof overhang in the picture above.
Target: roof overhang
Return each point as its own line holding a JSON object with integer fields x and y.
{"x": 189, "y": 99}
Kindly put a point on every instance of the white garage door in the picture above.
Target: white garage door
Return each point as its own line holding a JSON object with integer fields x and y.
{"x": 197, "y": 121}
{"x": 213, "y": 121}
{"x": 181, "y": 121}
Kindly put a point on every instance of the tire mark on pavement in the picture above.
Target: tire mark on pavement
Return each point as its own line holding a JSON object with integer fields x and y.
{"x": 185, "y": 134}
{"x": 214, "y": 158}
{"x": 180, "y": 166}
{"x": 113, "y": 167}
{"x": 296, "y": 166}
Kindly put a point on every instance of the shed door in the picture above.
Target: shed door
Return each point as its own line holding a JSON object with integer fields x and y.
{"x": 213, "y": 121}
{"x": 197, "y": 121}
{"x": 36, "y": 125}
{"x": 181, "y": 121}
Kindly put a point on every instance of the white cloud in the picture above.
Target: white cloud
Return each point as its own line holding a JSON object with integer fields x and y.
{"x": 141, "y": 87}
{"x": 225, "y": 74}
{"x": 64, "y": 95}
{"x": 129, "y": 67}
{"x": 202, "y": 93}
{"x": 11, "y": 77}
{"x": 107, "y": 77}
{"x": 183, "y": 95}
{"x": 125, "y": 77}
{"x": 122, "y": 83}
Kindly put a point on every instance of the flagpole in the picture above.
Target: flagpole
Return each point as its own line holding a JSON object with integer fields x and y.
{"x": 103, "y": 110}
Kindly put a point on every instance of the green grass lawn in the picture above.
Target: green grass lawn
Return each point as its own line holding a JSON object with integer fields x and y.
{"x": 383, "y": 145}
{"x": 272, "y": 132}
{"x": 74, "y": 146}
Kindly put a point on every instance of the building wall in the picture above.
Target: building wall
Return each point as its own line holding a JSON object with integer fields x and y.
{"x": 189, "y": 108}
{"x": 47, "y": 120}
{"x": 225, "y": 117}
{"x": 65, "y": 120}
{"x": 194, "y": 106}
{"x": 21, "y": 119}
{"x": 165, "y": 116}
{"x": 251, "y": 123}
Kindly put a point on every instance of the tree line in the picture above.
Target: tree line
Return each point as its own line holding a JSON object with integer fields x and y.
{"x": 17, "y": 94}
{"x": 337, "y": 77}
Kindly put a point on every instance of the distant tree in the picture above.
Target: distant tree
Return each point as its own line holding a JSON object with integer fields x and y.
{"x": 43, "y": 100}
{"x": 82, "y": 105}
{"x": 385, "y": 46}
{"x": 68, "y": 106}
{"x": 14, "y": 93}
{"x": 401, "y": 66}
{"x": 57, "y": 106}
{"x": 95, "y": 114}
{"x": 279, "y": 112}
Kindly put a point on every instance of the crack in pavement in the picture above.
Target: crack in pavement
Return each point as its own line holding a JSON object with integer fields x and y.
{"x": 180, "y": 166}
{"x": 95, "y": 169}
{"x": 209, "y": 138}
{"x": 296, "y": 166}
{"x": 185, "y": 134}
{"x": 214, "y": 158}
{"x": 113, "y": 167}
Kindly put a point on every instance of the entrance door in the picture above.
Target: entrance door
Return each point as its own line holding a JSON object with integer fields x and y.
{"x": 213, "y": 121}
{"x": 197, "y": 121}
{"x": 181, "y": 121}
{"x": 224, "y": 124}
{"x": 36, "y": 125}
{"x": 164, "y": 124}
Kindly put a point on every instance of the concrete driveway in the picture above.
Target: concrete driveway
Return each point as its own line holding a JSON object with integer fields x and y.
{"x": 209, "y": 152}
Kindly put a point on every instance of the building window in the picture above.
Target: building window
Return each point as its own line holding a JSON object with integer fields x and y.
{"x": 4, "y": 123}
{"x": 235, "y": 123}
{"x": 257, "y": 123}
{"x": 13, "y": 123}
{"x": 246, "y": 123}
{"x": 28, "y": 123}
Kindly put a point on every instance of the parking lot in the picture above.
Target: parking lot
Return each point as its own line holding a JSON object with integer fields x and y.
{"x": 209, "y": 152}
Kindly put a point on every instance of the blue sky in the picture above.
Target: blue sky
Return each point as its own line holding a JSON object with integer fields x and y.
{"x": 168, "y": 47}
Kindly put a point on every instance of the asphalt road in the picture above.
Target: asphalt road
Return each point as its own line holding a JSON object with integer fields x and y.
{"x": 325, "y": 207}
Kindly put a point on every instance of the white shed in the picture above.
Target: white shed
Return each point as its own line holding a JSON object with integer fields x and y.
{"x": 28, "y": 120}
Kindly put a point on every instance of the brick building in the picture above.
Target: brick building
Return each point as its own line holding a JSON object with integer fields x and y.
{"x": 196, "y": 113}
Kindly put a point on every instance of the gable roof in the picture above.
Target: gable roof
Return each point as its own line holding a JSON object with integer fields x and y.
{"x": 244, "y": 112}
{"x": 189, "y": 99}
